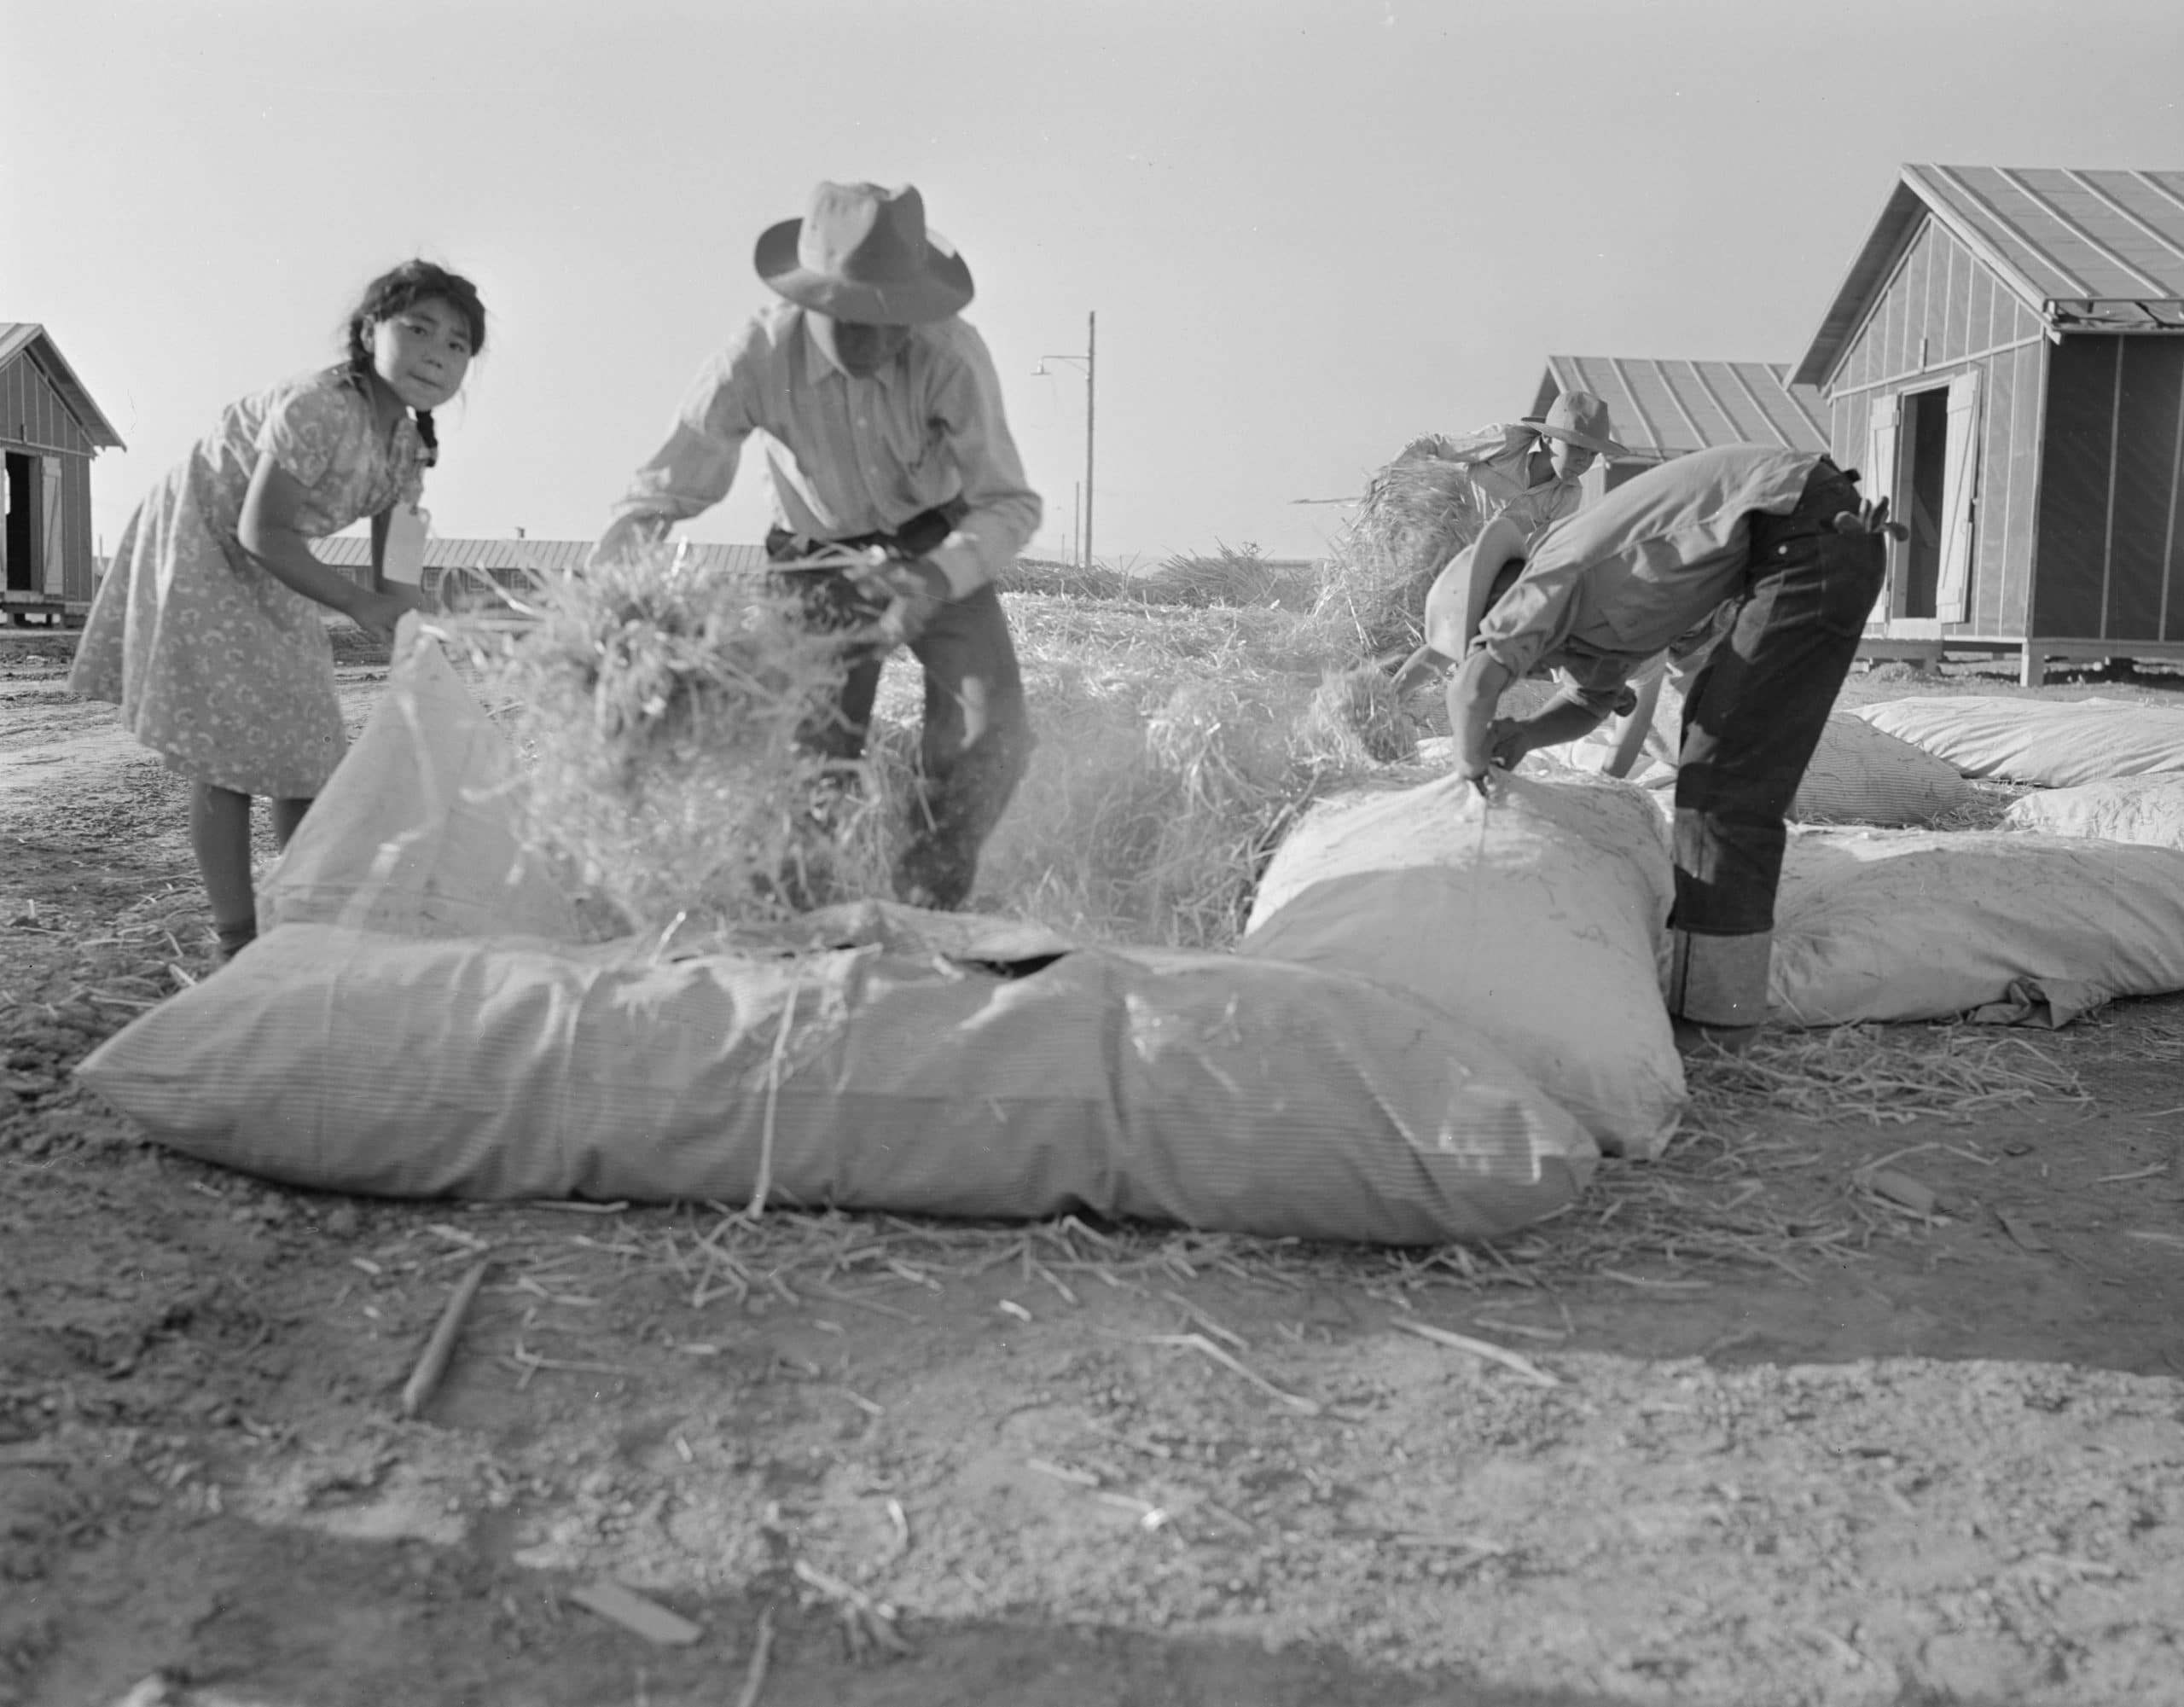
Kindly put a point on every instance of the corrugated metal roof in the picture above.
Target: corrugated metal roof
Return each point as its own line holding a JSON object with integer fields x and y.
{"x": 17, "y": 336}
{"x": 354, "y": 551}
{"x": 2088, "y": 250}
{"x": 1664, "y": 409}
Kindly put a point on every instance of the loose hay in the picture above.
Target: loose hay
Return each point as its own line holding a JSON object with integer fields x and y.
{"x": 1415, "y": 515}
{"x": 1230, "y": 575}
{"x": 1174, "y": 747}
{"x": 1989, "y": 804}
{"x": 1359, "y": 707}
{"x": 658, "y": 708}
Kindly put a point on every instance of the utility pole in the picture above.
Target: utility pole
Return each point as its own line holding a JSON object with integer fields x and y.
{"x": 1091, "y": 348}
{"x": 1091, "y": 355}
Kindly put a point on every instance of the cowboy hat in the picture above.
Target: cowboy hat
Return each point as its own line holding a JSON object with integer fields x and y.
{"x": 1581, "y": 419}
{"x": 1457, "y": 603}
{"x": 863, "y": 253}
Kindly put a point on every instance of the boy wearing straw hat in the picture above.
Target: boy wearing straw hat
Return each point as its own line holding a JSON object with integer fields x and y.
{"x": 1782, "y": 536}
{"x": 1528, "y": 470}
{"x": 886, "y": 436}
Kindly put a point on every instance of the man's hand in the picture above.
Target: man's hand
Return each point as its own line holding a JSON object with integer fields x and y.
{"x": 627, "y": 536}
{"x": 911, "y": 590}
{"x": 1507, "y": 741}
{"x": 1870, "y": 517}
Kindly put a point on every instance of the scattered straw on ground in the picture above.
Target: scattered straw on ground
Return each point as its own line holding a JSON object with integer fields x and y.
{"x": 1878, "y": 1073}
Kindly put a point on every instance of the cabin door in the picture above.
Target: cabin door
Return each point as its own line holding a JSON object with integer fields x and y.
{"x": 22, "y": 535}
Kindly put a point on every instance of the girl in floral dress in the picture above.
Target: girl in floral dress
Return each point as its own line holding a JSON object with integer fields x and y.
{"x": 208, "y": 628}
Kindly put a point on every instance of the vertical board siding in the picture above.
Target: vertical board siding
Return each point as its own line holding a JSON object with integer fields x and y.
{"x": 1956, "y": 307}
{"x": 1991, "y": 539}
{"x": 2172, "y": 627}
{"x": 2078, "y": 450}
{"x": 1933, "y": 330}
{"x": 2145, "y": 479}
{"x": 76, "y": 524}
{"x": 1852, "y": 418}
{"x": 1906, "y": 303}
{"x": 2028, "y": 438}
{"x": 33, "y": 415}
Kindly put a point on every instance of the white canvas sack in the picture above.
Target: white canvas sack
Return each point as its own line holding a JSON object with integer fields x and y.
{"x": 1537, "y": 922}
{"x": 1926, "y": 925}
{"x": 2124, "y": 809}
{"x": 1858, "y": 774}
{"x": 1237, "y": 1095}
{"x": 415, "y": 832}
{"x": 2050, "y": 743}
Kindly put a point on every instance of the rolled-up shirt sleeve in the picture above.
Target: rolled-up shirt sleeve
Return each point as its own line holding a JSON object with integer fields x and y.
{"x": 1531, "y": 620}
{"x": 1601, "y": 685}
{"x": 1002, "y": 512}
{"x": 692, "y": 471}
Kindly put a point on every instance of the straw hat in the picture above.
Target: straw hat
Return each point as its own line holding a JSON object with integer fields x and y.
{"x": 1457, "y": 603}
{"x": 1581, "y": 419}
{"x": 863, "y": 253}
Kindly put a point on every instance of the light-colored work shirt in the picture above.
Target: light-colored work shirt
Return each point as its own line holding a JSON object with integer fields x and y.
{"x": 850, "y": 456}
{"x": 1623, "y": 578}
{"x": 1497, "y": 460}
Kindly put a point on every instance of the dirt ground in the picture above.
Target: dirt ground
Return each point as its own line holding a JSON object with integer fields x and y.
{"x": 1897, "y": 1457}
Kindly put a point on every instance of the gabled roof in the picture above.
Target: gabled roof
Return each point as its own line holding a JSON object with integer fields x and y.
{"x": 17, "y": 336}
{"x": 1664, "y": 409}
{"x": 354, "y": 551}
{"x": 2087, "y": 250}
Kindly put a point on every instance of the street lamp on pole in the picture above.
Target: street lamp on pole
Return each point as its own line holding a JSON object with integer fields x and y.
{"x": 1091, "y": 349}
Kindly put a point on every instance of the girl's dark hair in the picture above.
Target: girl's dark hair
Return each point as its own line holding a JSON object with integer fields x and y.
{"x": 402, "y": 287}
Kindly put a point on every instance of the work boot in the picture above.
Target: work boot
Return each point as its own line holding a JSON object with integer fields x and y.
{"x": 1717, "y": 989}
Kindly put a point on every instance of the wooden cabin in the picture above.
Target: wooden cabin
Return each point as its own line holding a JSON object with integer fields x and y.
{"x": 1663, "y": 410}
{"x": 2005, "y": 360}
{"x": 49, "y": 431}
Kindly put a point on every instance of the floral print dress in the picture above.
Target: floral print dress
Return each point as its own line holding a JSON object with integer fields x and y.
{"x": 217, "y": 666}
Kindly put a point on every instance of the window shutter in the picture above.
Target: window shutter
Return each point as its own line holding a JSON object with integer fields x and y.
{"x": 1878, "y": 481}
{"x": 53, "y": 577}
{"x": 1960, "y": 479}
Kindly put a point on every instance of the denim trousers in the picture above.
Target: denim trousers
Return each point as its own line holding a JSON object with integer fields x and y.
{"x": 1751, "y": 719}
{"x": 976, "y": 739}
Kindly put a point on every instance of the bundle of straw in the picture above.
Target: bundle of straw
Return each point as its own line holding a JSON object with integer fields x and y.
{"x": 658, "y": 706}
{"x": 1417, "y": 513}
{"x": 1230, "y": 575}
{"x": 1173, "y": 746}
{"x": 1361, "y": 707}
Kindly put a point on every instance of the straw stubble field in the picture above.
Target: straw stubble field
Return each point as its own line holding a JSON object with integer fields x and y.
{"x": 1870, "y": 1391}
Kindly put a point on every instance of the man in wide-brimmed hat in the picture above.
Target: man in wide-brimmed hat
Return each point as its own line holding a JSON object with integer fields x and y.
{"x": 1528, "y": 470}
{"x": 886, "y": 434}
{"x": 1779, "y": 537}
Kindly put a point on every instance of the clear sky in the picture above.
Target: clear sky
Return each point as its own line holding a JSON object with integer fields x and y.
{"x": 1311, "y": 229}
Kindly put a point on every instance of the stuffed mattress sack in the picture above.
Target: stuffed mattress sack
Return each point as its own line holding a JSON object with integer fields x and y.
{"x": 415, "y": 833}
{"x": 1248, "y": 1096}
{"x": 1536, "y": 921}
{"x": 1926, "y": 925}
{"x": 2124, "y": 809}
{"x": 422, "y": 1025}
{"x": 2051, "y": 743}
{"x": 1859, "y": 774}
